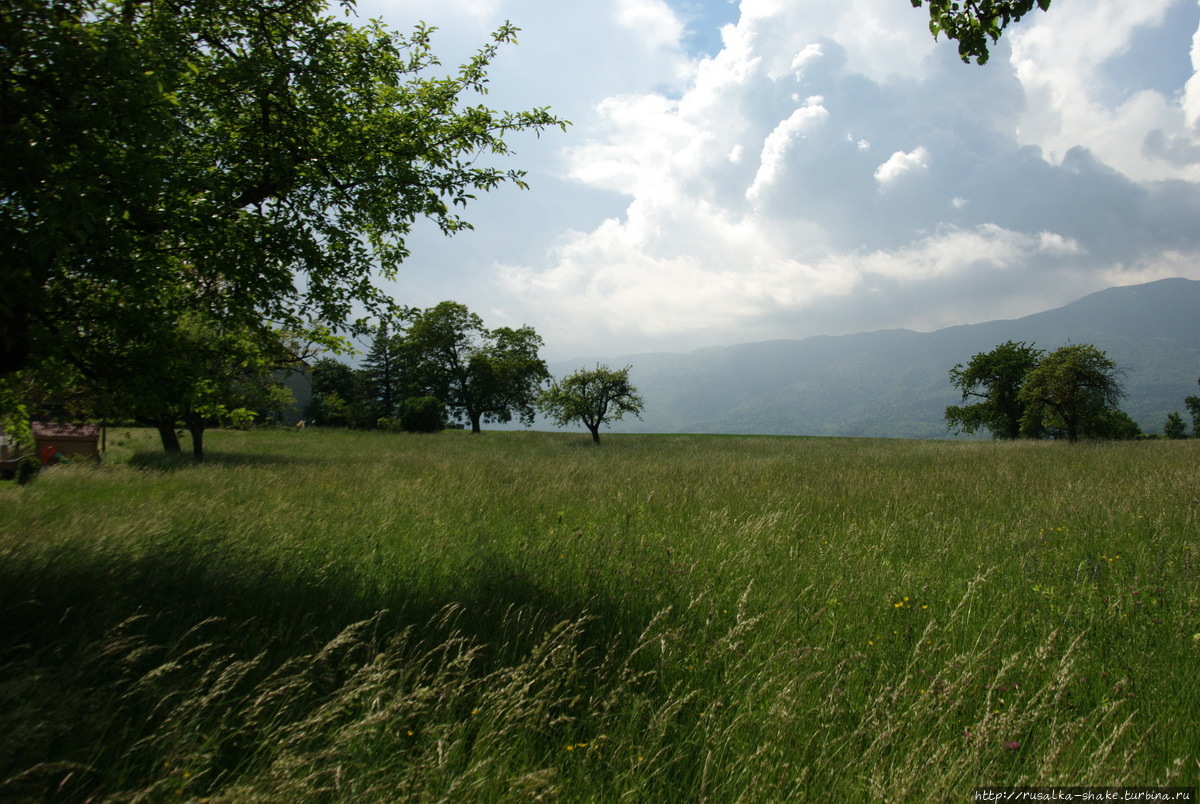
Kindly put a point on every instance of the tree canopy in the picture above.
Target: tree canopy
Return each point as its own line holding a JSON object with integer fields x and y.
{"x": 480, "y": 374}
{"x": 1071, "y": 392}
{"x": 257, "y": 163}
{"x": 995, "y": 379}
{"x": 1074, "y": 389}
{"x": 976, "y": 24}
{"x": 592, "y": 397}
{"x": 1193, "y": 406}
{"x": 387, "y": 371}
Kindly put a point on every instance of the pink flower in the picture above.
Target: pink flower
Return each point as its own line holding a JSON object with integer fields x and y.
{"x": 1012, "y": 746}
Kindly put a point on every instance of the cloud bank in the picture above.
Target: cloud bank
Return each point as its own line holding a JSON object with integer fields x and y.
{"x": 778, "y": 169}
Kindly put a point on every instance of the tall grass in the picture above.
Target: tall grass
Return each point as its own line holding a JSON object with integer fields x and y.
{"x": 330, "y": 616}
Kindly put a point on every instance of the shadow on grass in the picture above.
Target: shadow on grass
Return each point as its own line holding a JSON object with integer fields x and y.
{"x": 93, "y": 647}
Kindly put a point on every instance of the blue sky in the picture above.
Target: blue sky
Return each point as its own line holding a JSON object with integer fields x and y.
{"x": 743, "y": 171}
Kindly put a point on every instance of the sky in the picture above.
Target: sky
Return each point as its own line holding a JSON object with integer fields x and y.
{"x": 764, "y": 169}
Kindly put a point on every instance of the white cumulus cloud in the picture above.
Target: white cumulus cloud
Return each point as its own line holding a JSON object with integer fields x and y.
{"x": 828, "y": 168}
{"x": 780, "y": 139}
{"x": 901, "y": 163}
{"x": 1060, "y": 58}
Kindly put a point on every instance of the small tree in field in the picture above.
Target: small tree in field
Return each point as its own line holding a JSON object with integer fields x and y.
{"x": 1074, "y": 389}
{"x": 1175, "y": 426}
{"x": 1193, "y": 406}
{"x": 591, "y": 396}
{"x": 994, "y": 380}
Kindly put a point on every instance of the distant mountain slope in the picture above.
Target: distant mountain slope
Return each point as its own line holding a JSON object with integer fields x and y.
{"x": 894, "y": 383}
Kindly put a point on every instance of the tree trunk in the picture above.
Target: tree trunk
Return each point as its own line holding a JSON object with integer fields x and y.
{"x": 595, "y": 433}
{"x": 475, "y": 417}
{"x": 197, "y": 432}
{"x": 1072, "y": 427}
{"x": 166, "y": 433}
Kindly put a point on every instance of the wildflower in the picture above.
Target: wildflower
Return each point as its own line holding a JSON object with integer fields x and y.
{"x": 1012, "y": 745}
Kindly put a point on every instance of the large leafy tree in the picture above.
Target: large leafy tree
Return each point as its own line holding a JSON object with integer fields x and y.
{"x": 341, "y": 395}
{"x": 976, "y": 24}
{"x": 994, "y": 379}
{"x": 1074, "y": 389}
{"x": 592, "y": 397}
{"x": 202, "y": 370}
{"x": 480, "y": 374}
{"x": 256, "y": 163}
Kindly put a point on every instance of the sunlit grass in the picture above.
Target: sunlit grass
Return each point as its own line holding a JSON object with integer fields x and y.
{"x": 379, "y": 617}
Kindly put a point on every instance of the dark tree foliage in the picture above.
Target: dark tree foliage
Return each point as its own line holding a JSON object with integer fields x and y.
{"x": 341, "y": 396}
{"x": 480, "y": 374}
{"x": 1074, "y": 389}
{"x": 1193, "y": 406}
{"x": 976, "y": 24}
{"x": 1175, "y": 427}
{"x": 256, "y": 164}
{"x": 200, "y": 374}
{"x": 387, "y": 371}
{"x": 422, "y": 414}
{"x": 994, "y": 379}
{"x": 1112, "y": 424}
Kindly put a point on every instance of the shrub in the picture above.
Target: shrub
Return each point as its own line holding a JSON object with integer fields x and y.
{"x": 27, "y": 469}
{"x": 423, "y": 414}
{"x": 241, "y": 418}
{"x": 1175, "y": 427}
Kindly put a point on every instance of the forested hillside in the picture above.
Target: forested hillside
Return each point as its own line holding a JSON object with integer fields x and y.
{"x": 894, "y": 383}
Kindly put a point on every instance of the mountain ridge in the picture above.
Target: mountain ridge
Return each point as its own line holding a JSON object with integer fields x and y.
{"x": 894, "y": 383}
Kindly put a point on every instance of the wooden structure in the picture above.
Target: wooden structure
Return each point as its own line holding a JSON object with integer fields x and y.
{"x": 69, "y": 440}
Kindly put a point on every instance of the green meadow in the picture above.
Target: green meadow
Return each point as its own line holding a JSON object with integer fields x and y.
{"x": 362, "y": 617}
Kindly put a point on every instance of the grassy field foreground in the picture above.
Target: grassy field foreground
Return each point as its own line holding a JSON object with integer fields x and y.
{"x": 331, "y": 616}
